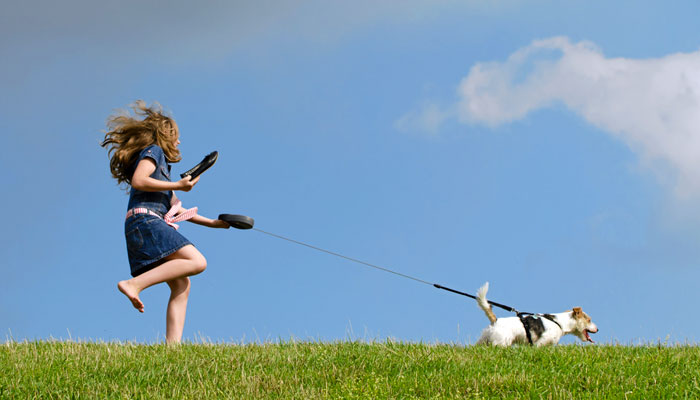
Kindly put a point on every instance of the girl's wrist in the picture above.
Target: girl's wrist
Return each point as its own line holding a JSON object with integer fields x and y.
{"x": 217, "y": 223}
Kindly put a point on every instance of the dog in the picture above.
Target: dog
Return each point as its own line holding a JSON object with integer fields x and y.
{"x": 538, "y": 330}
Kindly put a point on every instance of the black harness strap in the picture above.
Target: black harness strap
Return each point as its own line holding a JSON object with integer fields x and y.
{"x": 528, "y": 319}
{"x": 551, "y": 318}
{"x": 526, "y": 324}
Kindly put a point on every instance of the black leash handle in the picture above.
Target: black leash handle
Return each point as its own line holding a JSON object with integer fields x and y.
{"x": 493, "y": 303}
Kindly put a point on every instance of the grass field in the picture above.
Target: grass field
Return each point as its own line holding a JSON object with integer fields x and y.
{"x": 345, "y": 370}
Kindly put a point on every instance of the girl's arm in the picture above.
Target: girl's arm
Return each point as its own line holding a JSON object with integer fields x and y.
{"x": 212, "y": 223}
{"x": 142, "y": 179}
{"x": 202, "y": 220}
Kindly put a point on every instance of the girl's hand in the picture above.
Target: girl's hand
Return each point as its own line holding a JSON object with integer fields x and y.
{"x": 186, "y": 184}
{"x": 217, "y": 223}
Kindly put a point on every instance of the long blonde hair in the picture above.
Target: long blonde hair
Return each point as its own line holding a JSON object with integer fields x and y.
{"x": 128, "y": 135}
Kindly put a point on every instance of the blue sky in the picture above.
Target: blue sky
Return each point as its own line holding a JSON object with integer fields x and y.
{"x": 546, "y": 147}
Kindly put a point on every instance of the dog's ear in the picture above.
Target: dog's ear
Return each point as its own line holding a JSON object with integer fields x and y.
{"x": 577, "y": 311}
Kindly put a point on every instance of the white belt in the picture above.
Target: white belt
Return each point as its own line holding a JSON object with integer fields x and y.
{"x": 170, "y": 218}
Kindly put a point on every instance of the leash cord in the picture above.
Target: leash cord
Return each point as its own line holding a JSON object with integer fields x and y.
{"x": 345, "y": 257}
{"x": 435, "y": 285}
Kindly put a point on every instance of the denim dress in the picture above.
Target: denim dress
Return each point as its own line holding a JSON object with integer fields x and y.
{"x": 149, "y": 239}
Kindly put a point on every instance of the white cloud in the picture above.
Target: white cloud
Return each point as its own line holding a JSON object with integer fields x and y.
{"x": 652, "y": 105}
{"x": 428, "y": 119}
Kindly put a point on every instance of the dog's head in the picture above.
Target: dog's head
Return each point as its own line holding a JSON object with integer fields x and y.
{"x": 583, "y": 325}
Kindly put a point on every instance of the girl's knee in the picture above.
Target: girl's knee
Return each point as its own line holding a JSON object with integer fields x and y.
{"x": 180, "y": 285}
{"x": 199, "y": 263}
{"x": 196, "y": 261}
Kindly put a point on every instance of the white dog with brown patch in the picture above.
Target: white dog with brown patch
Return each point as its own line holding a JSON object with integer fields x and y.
{"x": 538, "y": 329}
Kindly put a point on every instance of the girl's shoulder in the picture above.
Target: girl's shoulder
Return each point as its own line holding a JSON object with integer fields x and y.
{"x": 153, "y": 151}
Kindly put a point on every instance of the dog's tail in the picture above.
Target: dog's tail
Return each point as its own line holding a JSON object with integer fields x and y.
{"x": 483, "y": 304}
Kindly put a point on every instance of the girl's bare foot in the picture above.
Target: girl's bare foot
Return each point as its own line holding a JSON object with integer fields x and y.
{"x": 133, "y": 295}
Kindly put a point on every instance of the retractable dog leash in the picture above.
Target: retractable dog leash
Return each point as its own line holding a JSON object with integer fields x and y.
{"x": 244, "y": 222}
{"x": 435, "y": 285}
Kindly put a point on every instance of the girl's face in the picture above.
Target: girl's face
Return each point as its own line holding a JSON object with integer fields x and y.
{"x": 176, "y": 140}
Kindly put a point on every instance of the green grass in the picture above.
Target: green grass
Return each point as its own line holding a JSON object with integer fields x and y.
{"x": 345, "y": 370}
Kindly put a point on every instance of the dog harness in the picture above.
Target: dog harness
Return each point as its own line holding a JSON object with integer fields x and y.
{"x": 170, "y": 218}
{"x": 533, "y": 323}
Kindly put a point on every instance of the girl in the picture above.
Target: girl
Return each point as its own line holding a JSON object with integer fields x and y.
{"x": 141, "y": 150}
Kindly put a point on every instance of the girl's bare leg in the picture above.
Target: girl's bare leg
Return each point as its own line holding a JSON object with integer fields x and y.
{"x": 177, "y": 308}
{"x": 185, "y": 262}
